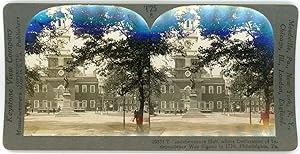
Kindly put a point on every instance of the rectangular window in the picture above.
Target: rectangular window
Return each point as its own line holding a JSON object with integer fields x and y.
{"x": 203, "y": 89}
{"x": 172, "y": 104}
{"x": 211, "y": 105}
{"x": 219, "y": 89}
{"x": 44, "y": 88}
{"x": 92, "y": 103}
{"x": 92, "y": 88}
{"x": 84, "y": 89}
{"x": 84, "y": 103}
{"x": 36, "y": 88}
{"x": 79, "y": 104}
{"x": 36, "y": 103}
{"x": 77, "y": 88}
{"x": 163, "y": 104}
{"x": 163, "y": 89}
{"x": 49, "y": 104}
{"x": 211, "y": 89}
{"x": 219, "y": 104}
{"x": 171, "y": 89}
{"x": 44, "y": 104}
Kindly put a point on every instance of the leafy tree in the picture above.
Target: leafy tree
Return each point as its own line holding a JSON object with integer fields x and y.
{"x": 127, "y": 60}
{"x": 32, "y": 77}
{"x": 251, "y": 66}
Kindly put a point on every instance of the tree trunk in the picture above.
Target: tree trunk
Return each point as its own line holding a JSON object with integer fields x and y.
{"x": 142, "y": 101}
{"x": 266, "y": 116}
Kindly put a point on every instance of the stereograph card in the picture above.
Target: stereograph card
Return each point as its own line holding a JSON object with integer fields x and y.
{"x": 154, "y": 77}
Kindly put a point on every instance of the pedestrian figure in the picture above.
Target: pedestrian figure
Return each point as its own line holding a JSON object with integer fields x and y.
{"x": 262, "y": 114}
{"x": 136, "y": 118}
{"x": 139, "y": 121}
{"x": 134, "y": 115}
{"x": 53, "y": 110}
{"x": 48, "y": 110}
{"x": 159, "y": 111}
{"x": 32, "y": 110}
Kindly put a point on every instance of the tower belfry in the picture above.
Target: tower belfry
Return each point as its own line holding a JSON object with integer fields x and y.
{"x": 63, "y": 42}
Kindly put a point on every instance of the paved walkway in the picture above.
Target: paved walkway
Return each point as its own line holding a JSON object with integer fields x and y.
{"x": 110, "y": 124}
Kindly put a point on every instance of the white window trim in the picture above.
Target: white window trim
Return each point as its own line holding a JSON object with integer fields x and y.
{"x": 163, "y": 104}
{"x": 36, "y": 88}
{"x": 46, "y": 102}
{"x": 211, "y": 105}
{"x": 44, "y": 86}
{"x": 173, "y": 88}
{"x": 82, "y": 90}
{"x": 92, "y": 102}
{"x": 219, "y": 104}
{"x": 36, "y": 103}
{"x": 92, "y": 90}
{"x": 77, "y": 89}
{"x": 50, "y": 104}
{"x": 84, "y": 103}
{"x": 219, "y": 91}
{"x": 172, "y": 104}
{"x": 203, "y": 89}
{"x": 211, "y": 89}
{"x": 163, "y": 89}
{"x": 78, "y": 104}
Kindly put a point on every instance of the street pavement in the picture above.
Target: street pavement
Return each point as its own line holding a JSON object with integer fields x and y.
{"x": 111, "y": 124}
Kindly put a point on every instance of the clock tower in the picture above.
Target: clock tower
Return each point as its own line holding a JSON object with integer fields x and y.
{"x": 182, "y": 63}
{"x": 51, "y": 92}
{"x": 56, "y": 63}
{"x": 182, "y": 74}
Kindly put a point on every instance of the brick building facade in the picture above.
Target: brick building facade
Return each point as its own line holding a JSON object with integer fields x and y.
{"x": 210, "y": 89}
{"x": 49, "y": 91}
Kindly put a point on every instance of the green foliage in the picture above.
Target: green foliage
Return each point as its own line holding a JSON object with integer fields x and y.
{"x": 125, "y": 62}
{"x": 249, "y": 67}
{"x": 32, "y": 77}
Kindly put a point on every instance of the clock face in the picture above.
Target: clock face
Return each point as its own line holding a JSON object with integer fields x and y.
{"x": 188, "y": 73}
{"x": 61, "y": 72}
{"x": 62, "y": 42}
{"x": 188, "y": 44}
